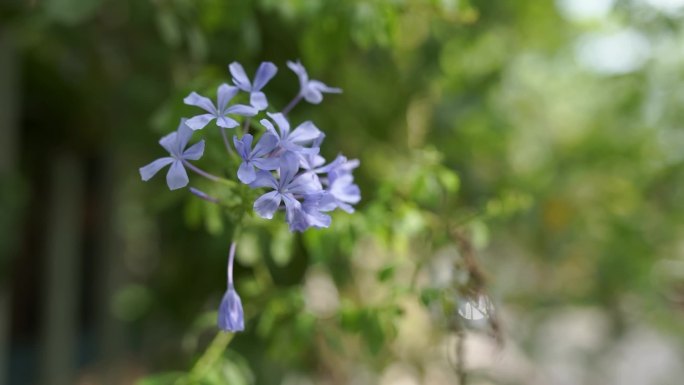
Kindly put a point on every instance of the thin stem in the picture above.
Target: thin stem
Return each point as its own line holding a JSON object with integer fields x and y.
{"x": 414, "y": 276}
{"x": 231, "y": 259}
{"x": 245, "y": 126}
{"x": 202, "y": 172}
{"x": 293, "y": 103}
{"x": 208, "y": 358}
{"x": 220, "y": 342}
{"x": 202, "y": 195}
{"x": 226, "y": 142}
{"x": 460, "y": 357}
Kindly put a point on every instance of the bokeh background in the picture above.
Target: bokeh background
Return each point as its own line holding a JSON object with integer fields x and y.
{"x": 524, "y": 158}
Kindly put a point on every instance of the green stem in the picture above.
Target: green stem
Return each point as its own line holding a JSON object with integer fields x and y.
{"x": 207, "y": 175}
{"x": 208, "y": 359}
{"x": 220, "y": 342}
{"x": 292, "y": 103}
{"x": 226, "y": 142}
{"x": 245, "y": 126}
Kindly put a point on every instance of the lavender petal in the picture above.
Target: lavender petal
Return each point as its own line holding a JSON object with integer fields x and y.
{"x": 246, "y": 173}
{"x": 322, "y": 87}
{"x": 195, "y": 151}
{"x": 226, "y": 122}
{"x": 177, "y": 177}
{"x": 195, "y": 99}
{"x": 183, "y": 136}
{"x": 266, "y": 163}
{"x": 265, "y": 72}
{"x": 258, "y": 100}
{"x": 148, "y": 171}
{"x": 243, "y": 146}
{"x": 305, "y": 132}
{"x": 299, "y": 69}
{"x": 170, "y": 143}
{"x": 267, "y": 204}
{"x": 200, "y": 121}
{"x": 282, "y": 123}
{"x": 224, "y": 94}
{"x": 241, "y": 109}
{"x": 264, "y": 179}
{"x": 266, "y": 144}
{"x": 312, "y": 95}
{"x": 240, "y": 78}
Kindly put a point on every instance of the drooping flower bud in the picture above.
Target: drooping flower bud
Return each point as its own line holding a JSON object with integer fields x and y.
{"x": 230, "y": 316}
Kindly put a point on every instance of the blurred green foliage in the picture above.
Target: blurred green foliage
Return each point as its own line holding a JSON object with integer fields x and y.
{"x": 479, "y": 119}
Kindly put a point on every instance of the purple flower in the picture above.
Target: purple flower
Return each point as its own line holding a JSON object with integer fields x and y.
{"x": 175, "y": 144}
{"x": 345, "y": 192}
{"x": 256, "y": 157}
{"x": 293, "y": 140}
{"x": 231, "y": 318}
{"x": 311, "y": 90}
{"x": 341, "y": 183}
{"x": 230, "y": 315}
{"x": 311, "y": 214}
{"x": 285, "y": 189}
{"x": 264, "y": 73}
{"x": 313, "y": 162}
{"x": 219, "y": 112}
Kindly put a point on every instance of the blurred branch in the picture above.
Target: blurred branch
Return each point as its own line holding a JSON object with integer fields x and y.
{"x": 460, "y": 358}
{"x": 62, "y": 281}
{"x": 477, "y": 281}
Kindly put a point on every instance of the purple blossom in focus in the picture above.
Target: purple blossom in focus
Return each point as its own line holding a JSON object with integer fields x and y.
{"x": 219, "y": 112}
{"x": 256, "y": 157}
{"x": 175, "y": 144}
{"x": 296, "y": 139}
{"x": 265, "y": 72}
{"x": 311, "y": 90}
{"x": 307, "y": 187}
{"x": 286, "y": 161}
{"x": 286, "y": 189}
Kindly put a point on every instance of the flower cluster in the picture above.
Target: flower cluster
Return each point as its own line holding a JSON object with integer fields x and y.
{"x": 304, "y": 185}
{"x": 284, "y": 161}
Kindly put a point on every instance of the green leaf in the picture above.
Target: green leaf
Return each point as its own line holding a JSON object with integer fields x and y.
{"x": 213, "y": 219}
{"x": 281, "y": 246}
{"x": 373, "y": 332}
{"x": 248, "y": 249}
{"x": 71, "y": 11}
{"x": 429, "y": 295}
{"x": 169, "y": 27}
{"x": 131, "y": 302}
{"x": 449, "y": 180}
{"x": 386, "y": 273}
{"x": 350, "y": 319}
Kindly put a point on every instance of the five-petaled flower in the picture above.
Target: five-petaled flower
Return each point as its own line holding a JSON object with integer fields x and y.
{"x": 219, "y": 112}
{"x": 265, "y": 72}
{"x": 296, "y": 139}
{"x": 286, "y": 188}
{"x": 311, "y": 90}
{"x": 341, "y": 183}
{"x": 175, "y": 144}
{"x": 257, "y": 157}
